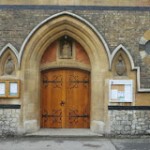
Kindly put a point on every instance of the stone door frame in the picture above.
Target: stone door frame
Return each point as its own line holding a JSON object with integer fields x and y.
{"x": 64, "y": 23}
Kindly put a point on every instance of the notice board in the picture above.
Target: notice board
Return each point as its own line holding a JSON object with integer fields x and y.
{"x": 9, "y": 88}
{"x": 121, "y": 91}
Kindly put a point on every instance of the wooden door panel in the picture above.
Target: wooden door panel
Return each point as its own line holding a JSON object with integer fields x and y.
{"x": 52, "y": 85}
{"x": 65, "y": 99}
{"x": 77, "y": 112}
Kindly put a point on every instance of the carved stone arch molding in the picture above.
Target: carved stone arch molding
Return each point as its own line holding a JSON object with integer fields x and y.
{"x": 33, "y": 48}
{"x": 121, "y": 64}
{"x": 129, "y": 60}
{"x": 8, "y": 61}
{"x": 126, "y": 55}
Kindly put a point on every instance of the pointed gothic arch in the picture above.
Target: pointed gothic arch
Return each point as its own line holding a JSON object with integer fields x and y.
{"x": 39, "y": 39}
{"x": 133, "y": 67}
{"x": 11, "y": 48}
{"x": 8, "y": 54}
{"x": 119, "y": 48}
{"x": 70, "y": 24}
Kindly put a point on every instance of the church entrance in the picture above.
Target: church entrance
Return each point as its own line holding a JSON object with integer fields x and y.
{"x": 65, "y": 98}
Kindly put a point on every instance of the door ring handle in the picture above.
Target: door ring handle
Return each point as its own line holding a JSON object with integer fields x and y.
{"x": 62, "y": 103}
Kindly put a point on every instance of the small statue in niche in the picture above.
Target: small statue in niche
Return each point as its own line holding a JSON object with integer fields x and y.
{"x": 66, "y": 48}
{"x": 120, "y": 66}
{"x": 9, "y": 66}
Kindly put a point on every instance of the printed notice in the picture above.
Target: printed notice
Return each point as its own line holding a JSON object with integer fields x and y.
{"x": 121, "y": 91}
{"x": 121, "y": 96}
{"x": 13, "y": 89}
{"x": 2, "y": 89}
{"x": 128, "y": 93}
{"x": 114, "y": 94}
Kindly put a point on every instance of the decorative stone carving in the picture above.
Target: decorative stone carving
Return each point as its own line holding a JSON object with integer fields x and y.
{"x": 120, "y": 66}
{"x": 65, "y": 47}
{"x": 9, "y": 66}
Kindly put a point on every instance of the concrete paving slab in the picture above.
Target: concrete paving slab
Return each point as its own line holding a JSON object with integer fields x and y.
{"x": 49, "y": 143}
{"x": 132, "y": 144}
{"x": 56, "y": 144}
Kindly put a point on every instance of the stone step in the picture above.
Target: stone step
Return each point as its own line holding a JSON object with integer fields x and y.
{"x": 66, "y": 133}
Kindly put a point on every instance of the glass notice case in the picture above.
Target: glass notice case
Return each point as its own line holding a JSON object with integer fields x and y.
{"x": 121, "y": 91}
{"x": 9, "y": 88}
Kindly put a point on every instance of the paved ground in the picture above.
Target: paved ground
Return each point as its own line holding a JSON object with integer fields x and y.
{"x": 47, "y": 143}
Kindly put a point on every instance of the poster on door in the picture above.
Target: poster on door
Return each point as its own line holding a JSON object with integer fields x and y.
{"x": 121, "y": 91}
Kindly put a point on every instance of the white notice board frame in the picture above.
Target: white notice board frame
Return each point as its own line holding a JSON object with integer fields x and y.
{"x": 121, "y": 91}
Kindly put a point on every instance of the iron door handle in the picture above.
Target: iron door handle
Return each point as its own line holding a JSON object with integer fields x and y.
{"x": 62, "y": 103}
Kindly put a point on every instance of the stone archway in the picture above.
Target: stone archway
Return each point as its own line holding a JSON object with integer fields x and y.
{"x": 32, "y": 51}
{"x": 65, "y": 85}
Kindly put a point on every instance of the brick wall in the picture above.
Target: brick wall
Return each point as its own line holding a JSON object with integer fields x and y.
{"x": 50, "y": 55}
{"x": 81, "y": 55}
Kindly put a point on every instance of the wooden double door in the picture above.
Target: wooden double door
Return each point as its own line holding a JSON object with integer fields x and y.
{"x": 65, "y": 101}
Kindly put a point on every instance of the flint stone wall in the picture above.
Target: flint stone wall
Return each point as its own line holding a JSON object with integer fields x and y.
{"x": 9, "y": 120}
{"x": 117, "y": 25}
{"x": 129, "y": 122}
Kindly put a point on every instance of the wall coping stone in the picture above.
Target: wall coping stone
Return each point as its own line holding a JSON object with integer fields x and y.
{"x": 71, "y": 7}
{"x": 9, "y": 106}
{"x": 128, "y": 107}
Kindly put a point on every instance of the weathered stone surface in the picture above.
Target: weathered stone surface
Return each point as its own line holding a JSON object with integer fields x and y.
{"x": 78, "y": 2}
{"x": 117, "y": 27}
{"x": 1, "y": 112}
{"x": 9, "y": 121}
{"x": 148, "y": 131}
{"x": 98, "y": 126}
{"x": 129, "y": 124}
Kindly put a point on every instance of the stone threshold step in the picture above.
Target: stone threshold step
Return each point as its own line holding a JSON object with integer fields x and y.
{"x": 64, "y": 133}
